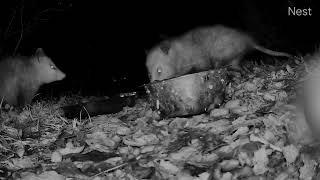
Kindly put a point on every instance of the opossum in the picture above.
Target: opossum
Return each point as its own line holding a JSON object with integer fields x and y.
{"x": 311, "y": 97}
{"x": 21, "y": 77}
{"x": 201, "y": 49}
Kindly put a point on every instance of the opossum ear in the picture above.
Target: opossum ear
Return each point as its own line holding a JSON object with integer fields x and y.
{"x": 39, "y": 51}
{"x": 165, "y": 47}
{"x": 146, "y": 52}
{"x": 163, "y": 36}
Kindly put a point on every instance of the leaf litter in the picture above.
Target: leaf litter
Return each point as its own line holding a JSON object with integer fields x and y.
{"x": 257, "y": 133}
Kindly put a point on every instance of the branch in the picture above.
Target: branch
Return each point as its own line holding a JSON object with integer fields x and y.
{"x": 34, "y": 20}
{"x": 8, "y": 28}
{"x": 22, "y": 28}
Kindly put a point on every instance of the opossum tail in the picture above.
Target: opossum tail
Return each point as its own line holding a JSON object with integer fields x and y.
{"x": 98, "y": 107}
{"x": 271, "y": 52}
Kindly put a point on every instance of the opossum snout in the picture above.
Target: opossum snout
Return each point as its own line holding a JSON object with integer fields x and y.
{"x": 59, "y": 74}
{"x": 156, "y": 75}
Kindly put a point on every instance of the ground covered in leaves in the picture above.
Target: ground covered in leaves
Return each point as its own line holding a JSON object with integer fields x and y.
{"x": 258, "y": 133}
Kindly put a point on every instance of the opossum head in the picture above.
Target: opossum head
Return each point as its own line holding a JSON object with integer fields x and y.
{"x": 46, "y": 70}
{"x": 159, "y": 63}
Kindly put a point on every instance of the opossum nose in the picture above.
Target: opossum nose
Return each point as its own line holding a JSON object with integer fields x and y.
{"x": 61, "y": 75}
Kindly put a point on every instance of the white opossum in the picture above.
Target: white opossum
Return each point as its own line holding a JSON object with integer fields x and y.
{"x": 199, "y": 50}
{"x": 311, "y": 98}
{"x": 21, "y": 77}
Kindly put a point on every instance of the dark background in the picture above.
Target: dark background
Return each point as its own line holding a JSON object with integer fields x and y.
{"x": 97, "y": 44}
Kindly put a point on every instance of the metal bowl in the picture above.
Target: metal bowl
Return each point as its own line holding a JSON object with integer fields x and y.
{"x": 187, "y": 95}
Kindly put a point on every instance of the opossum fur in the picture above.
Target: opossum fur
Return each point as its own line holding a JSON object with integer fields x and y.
{"x": 21, "y": 77}
{"x": 199, "y": 50}
{"x": 311, "y": 97}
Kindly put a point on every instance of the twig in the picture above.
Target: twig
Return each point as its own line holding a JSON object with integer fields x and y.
{"x": 87, "y": 113}
{"x": 117, "y": 167}
{"x": 22, "y": 28}
{"x": 50, "y": 9}
{"x": 108, "y": 170}
{"x": 9, "y": 25}
{"x": 1, "y": 102}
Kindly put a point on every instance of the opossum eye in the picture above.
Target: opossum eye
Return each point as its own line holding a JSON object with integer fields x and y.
{"x": 53, "y": 67}
{"x": 159, "y": 70}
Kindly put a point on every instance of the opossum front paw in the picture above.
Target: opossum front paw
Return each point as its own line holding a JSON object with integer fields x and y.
{"x": 6, "y": 107}
{"x": 236, "y": 71}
